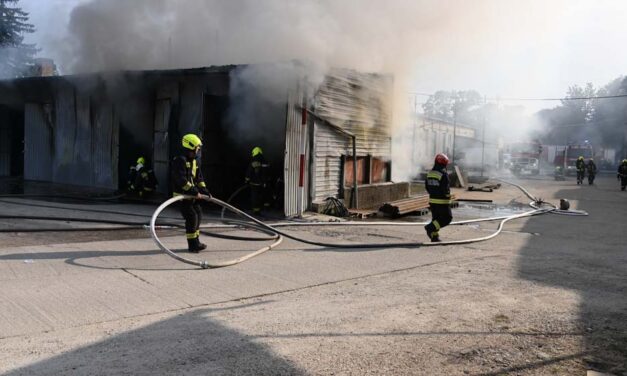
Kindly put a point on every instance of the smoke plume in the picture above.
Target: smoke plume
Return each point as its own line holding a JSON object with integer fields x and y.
{"x": 366, "y": 35}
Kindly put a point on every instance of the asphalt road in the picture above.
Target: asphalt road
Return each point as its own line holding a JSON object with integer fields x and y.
{"x": 548, "y": 296}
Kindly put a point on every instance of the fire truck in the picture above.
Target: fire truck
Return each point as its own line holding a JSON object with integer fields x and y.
{"x": 568, "y": 157}
{"x": 523, "y": 157}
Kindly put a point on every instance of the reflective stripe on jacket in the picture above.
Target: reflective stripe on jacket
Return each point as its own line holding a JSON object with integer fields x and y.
{"x": 186, "y": 176}
{"x": 438, "y": 186}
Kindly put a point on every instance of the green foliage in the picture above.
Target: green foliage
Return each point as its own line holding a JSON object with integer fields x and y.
{"x": 452, "y": 105}
{"x": 16, "y": 57}
{"x": 600, "y": 121}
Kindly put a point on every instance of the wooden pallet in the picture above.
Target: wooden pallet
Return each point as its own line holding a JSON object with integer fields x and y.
{"x": 418, "y": 205}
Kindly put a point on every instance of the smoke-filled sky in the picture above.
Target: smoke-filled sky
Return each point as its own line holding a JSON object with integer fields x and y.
{"x": 504, "y": 48}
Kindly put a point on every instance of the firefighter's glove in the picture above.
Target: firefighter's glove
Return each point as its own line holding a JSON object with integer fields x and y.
{"x": 193, "y": 191}
{"x": 204, "y": 191}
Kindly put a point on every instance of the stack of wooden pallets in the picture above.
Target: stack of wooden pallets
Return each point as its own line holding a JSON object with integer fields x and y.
{"x": 418, "y": 205}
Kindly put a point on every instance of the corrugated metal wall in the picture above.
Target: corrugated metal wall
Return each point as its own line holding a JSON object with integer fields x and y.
{"x": 329, "y": 147}
{"x": 104, "y": 146}
{"x": 358, "y": 103}
{"x": 65, "y": 131}
{"x": 161, "y": 144}
{"x": 5, "y": 144}
{"x": 295, "y": 135}
{"x": 38, "y": 147}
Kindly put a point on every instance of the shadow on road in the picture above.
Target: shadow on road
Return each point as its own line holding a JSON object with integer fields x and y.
{"x": 587, "y": 255}
{"x": 188, "y": 344}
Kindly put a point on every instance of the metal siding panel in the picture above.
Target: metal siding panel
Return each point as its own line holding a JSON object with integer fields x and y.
{"x": 294, "y": 133}
{"x": 37, "y": 144}
{"x": 104, "y": 147}
{"x": 82, "y": 145}
{"x": 5, "y": 145}
{"x": 63, "y": 164}
{"x": 161, "y": 148}
{"x": 329, "y": 147}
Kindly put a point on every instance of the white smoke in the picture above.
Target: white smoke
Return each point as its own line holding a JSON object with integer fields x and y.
{"x": 367, "y": 35}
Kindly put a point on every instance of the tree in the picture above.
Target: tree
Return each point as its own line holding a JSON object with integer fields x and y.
{"x": 582, "y": 108}
{"x": 449, "y": 105}
{"x": 16, "y": 57}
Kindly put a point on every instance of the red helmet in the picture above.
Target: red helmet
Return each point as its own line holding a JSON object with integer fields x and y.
{"x": 441, "y": 159}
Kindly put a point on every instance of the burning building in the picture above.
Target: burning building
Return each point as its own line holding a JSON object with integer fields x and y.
{"x": 328, "y": 139}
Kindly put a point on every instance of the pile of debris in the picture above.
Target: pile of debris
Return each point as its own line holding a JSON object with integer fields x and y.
{"x": 485, "y": 188}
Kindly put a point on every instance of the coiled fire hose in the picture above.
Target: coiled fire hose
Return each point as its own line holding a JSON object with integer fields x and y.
{"x": 272, "y": 229}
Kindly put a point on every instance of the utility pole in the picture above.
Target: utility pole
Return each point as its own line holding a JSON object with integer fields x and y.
{"x": 483, "y": 136}
{"x": 413, "y": 137}
{"x": 454, "y": 129}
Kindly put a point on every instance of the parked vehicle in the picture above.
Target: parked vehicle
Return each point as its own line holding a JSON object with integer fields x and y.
{"x": 569, "y": 157}
{"x": 524, "y": 157}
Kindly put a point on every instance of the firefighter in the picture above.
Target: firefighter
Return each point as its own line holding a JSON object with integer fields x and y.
{"x": 187, "y": 180}
{"x": 145, "y": 182}
{"x": 622, "y": 174}
{"x": 257, "y": 178}
{"x": 437, "y": 184}
{"x": 592, "y": 170}
{"x": 132, "y": 176}
{"x": 580, "y": 165}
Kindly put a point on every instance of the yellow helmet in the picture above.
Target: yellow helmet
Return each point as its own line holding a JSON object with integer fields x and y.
{"x": 256, "y": 151}
{"x": 141, "y": 160}
{"x": 191, "y": 141}
{"x": 580, "y": 158}
{"x": 625, "y": 161}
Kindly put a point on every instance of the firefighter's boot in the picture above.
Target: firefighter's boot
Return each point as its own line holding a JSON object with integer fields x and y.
{"x": 435, "y": 237}
{"x": 195, "y": 246}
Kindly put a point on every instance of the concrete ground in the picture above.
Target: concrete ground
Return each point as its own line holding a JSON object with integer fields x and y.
{"x": 547, "y": 296}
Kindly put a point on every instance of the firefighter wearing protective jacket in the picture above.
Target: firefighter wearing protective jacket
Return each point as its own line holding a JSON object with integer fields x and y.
{"x": 592, "y": 171}
{"x": 622, "y": 174}
{"x": 580, "y": 165}
{"x": 437, "y": 184}
{"x": 257, "y": 178}
{"x": 142, "y": 179}
{"x": 187, "y": 180}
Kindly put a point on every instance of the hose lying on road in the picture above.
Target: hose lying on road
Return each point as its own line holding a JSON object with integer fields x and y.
{"x": 272, "y": 229}
{"x": 206, "y": 264}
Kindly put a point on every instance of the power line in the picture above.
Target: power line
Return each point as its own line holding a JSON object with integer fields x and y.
{"x": 542, "y": 99}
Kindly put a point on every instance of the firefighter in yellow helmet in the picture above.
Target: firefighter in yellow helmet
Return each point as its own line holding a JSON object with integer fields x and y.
{"x": 187, "y": 180}
{"x": 142, "y": 180}
{"x": 257, "y": 178}
{"x": 580, "y": 165}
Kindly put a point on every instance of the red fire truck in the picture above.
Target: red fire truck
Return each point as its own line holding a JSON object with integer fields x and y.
{"x": 523, "y": 157}
{"x": 568, "y": 157}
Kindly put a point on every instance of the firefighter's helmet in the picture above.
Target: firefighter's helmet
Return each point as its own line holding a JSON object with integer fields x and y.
{"x": 580, "y": 158}
{"x": 441, "y": 159}
{"x": 624, "y": 161}
{"x": 191, "y": 142}
{"x": 141, "y": 160}
{"x": 256, "y": 151}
